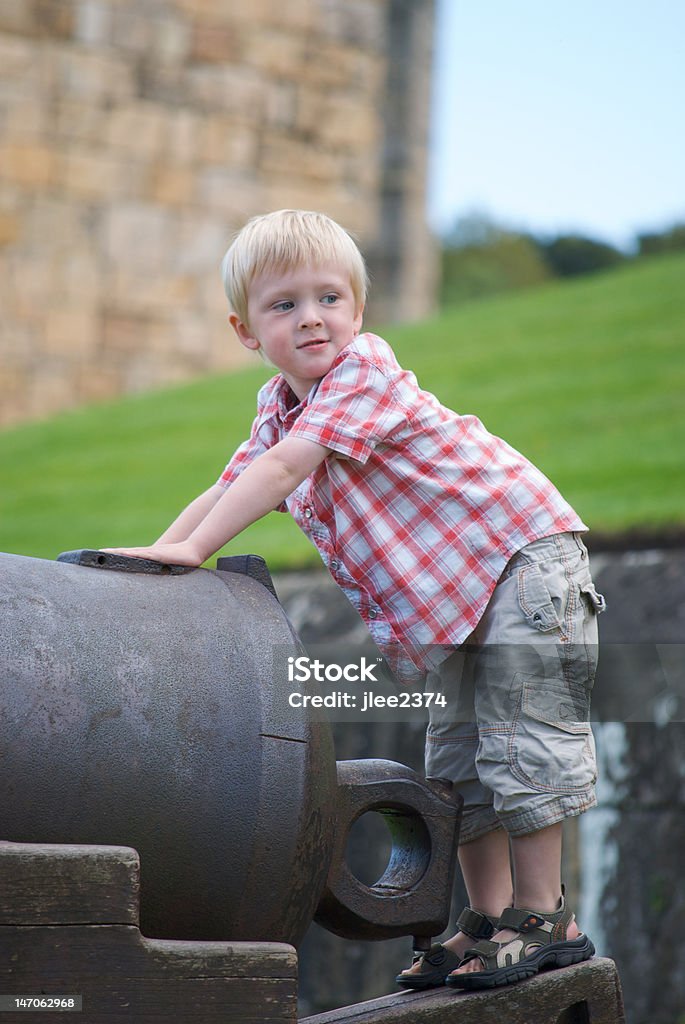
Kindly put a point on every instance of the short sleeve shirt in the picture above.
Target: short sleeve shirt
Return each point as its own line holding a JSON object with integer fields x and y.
{"x": 416, "y": 510}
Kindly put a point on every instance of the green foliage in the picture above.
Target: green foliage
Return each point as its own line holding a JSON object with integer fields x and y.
{"x": 507, "y": 262}
{"x": 479, "y": 258}
{"x": 671, "y": 240}
{"x": 568, "y": 255}
{"x": 584, "y": 376}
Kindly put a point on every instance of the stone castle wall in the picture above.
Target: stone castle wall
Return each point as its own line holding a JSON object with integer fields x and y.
{"x": 137, "y": 135}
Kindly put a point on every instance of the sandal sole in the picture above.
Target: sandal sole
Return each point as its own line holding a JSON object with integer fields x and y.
{"x": 560, "y": 954}
{"x": 419, "y": 984}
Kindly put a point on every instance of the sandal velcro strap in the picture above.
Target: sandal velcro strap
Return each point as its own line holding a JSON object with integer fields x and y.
{"x": 436, "y": 955}
{"x": 476, "y": 925}
{"x": 524, "y": 921}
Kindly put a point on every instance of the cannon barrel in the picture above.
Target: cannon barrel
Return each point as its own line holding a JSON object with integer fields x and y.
{"x": 143, "y": 707}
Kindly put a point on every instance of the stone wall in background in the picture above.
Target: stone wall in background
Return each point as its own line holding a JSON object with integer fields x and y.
{"x": 137, "y": 135}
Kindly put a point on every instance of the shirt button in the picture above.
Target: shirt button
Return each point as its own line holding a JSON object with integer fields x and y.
{"x": 308, "y": 513}
{"x": 335, "y": 565}
{"x": 373, "y": 613}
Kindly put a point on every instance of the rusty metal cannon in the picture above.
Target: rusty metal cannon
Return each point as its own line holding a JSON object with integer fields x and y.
{"x": 142, "y": 707}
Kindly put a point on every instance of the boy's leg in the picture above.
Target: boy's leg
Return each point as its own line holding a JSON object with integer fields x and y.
{"x": 486, "y": 867}
{"x": 536, "y": 860}
{"x": 451, "y": 745}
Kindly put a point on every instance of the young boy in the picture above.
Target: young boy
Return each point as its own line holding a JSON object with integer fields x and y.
{"x": 464, "y": 561}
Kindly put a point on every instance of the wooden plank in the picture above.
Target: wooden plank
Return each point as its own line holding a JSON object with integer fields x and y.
{"x": 50, "y": 884}
{"x": 588, "y": 992}
{"x": 124, "y": 977}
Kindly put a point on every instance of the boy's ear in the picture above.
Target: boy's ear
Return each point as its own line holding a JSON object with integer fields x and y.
{"x": 358, "y": 319}
{"x": 245, "y": 336}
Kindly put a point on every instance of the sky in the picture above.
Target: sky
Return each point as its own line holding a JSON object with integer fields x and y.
{"x": 559, "y": 115}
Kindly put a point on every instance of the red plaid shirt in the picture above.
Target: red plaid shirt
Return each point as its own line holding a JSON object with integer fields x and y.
{"x": 417, "y": 509}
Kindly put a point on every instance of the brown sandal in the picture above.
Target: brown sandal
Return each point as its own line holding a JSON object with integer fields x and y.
{"x": 543, "y": 944}
{"x": 437, "y": 963}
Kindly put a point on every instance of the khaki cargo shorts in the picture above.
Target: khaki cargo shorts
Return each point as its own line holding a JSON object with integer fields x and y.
{"x": 514, "y": 736}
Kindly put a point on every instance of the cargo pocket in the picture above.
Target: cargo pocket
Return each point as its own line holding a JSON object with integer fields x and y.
{"x": 552, "y": 748}
{"x": 535, "y": 599}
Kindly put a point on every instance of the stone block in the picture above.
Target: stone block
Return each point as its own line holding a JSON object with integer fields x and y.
{"x": 300, "y": 15}
{"x": 139, "y": 129}
{"x": 10, "y": 228}
{"x": 281, "y": 104}
{"x": 93, "y": 77}
{"x": 234, "y": 196}
{"x": 97, "y": 384}
{"x": 55, "y": 226}
{"x": 139, "y": 234}
{"x": 42, "y": 18}
{"x": 235, "y": 89}
{"x": 225, "y": 11}
{"x": 77, "y": 119}
{"x": 356, "y": 22}
{"x": 16, "y": 18}
{"x": 89, "y": 173}
{"x": 278, "y": 53}
{"x": 202, "y": 242}
{"x": 215, "y": 43}
{"x": 142, "y": 291}
{"x": 122, "y": 334}
{"x": 32, "y": 165}
{"x": 51, "y": 388}
{"x": 283, "y": 156}
{"x": 182, "y": 136}
{"x": 74, "y": 332}
{"x": 221, "y": 140}
{"x": 79, "y": 278}
{"x": 170, "y": 185}
{"x": 16, "y": 55}
{"x": 27, "y": 117}
{"x": 93, "y": 23}
{"x": 341, "y": 120}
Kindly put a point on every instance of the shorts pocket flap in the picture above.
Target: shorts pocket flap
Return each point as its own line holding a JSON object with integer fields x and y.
{"x": 555, "y": 706}
{"x": 535, "y": 600}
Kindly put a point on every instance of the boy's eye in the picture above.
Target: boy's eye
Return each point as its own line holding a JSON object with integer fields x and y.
{"x": 330, "y": 299}
{"x": 284, "y": 305}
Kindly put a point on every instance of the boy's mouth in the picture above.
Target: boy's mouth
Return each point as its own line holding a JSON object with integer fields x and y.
{"x": 313, "y": 343}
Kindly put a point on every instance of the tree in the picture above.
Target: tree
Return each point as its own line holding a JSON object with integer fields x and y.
{"x": 568, "y": 255}
{"x": 670, "y": 240}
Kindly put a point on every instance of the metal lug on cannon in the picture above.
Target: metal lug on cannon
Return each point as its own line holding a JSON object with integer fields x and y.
{"x": 412, "y": 897}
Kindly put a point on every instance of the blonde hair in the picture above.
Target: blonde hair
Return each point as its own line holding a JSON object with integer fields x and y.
{"x": 292, "y": 238}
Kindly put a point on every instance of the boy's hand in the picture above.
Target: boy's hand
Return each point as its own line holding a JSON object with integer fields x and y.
{"x": 182, "y": 553}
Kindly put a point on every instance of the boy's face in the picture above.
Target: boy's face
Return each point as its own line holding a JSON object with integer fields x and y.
{"x": 300, "y": 318}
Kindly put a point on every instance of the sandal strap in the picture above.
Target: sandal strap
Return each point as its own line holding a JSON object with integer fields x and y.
{"x": 475, "y": 924}
{"x": 484, "y": 951}
{"x": 543, "y": 927}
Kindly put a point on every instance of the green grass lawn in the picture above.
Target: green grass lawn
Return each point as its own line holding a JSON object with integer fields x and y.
{"x": 586, "y": 378}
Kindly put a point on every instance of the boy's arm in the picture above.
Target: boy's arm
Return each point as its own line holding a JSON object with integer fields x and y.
{"x": 191, "y": 516}
{"x": 259, "y": 489}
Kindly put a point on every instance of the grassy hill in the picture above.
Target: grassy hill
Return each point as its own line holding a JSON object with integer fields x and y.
{"x": 587, "y": 378}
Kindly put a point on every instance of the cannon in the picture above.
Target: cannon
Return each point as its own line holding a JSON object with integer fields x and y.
{"x": 144, "y": 706}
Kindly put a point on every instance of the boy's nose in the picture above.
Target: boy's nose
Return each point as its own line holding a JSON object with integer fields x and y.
{"x": 310, "y": 317}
